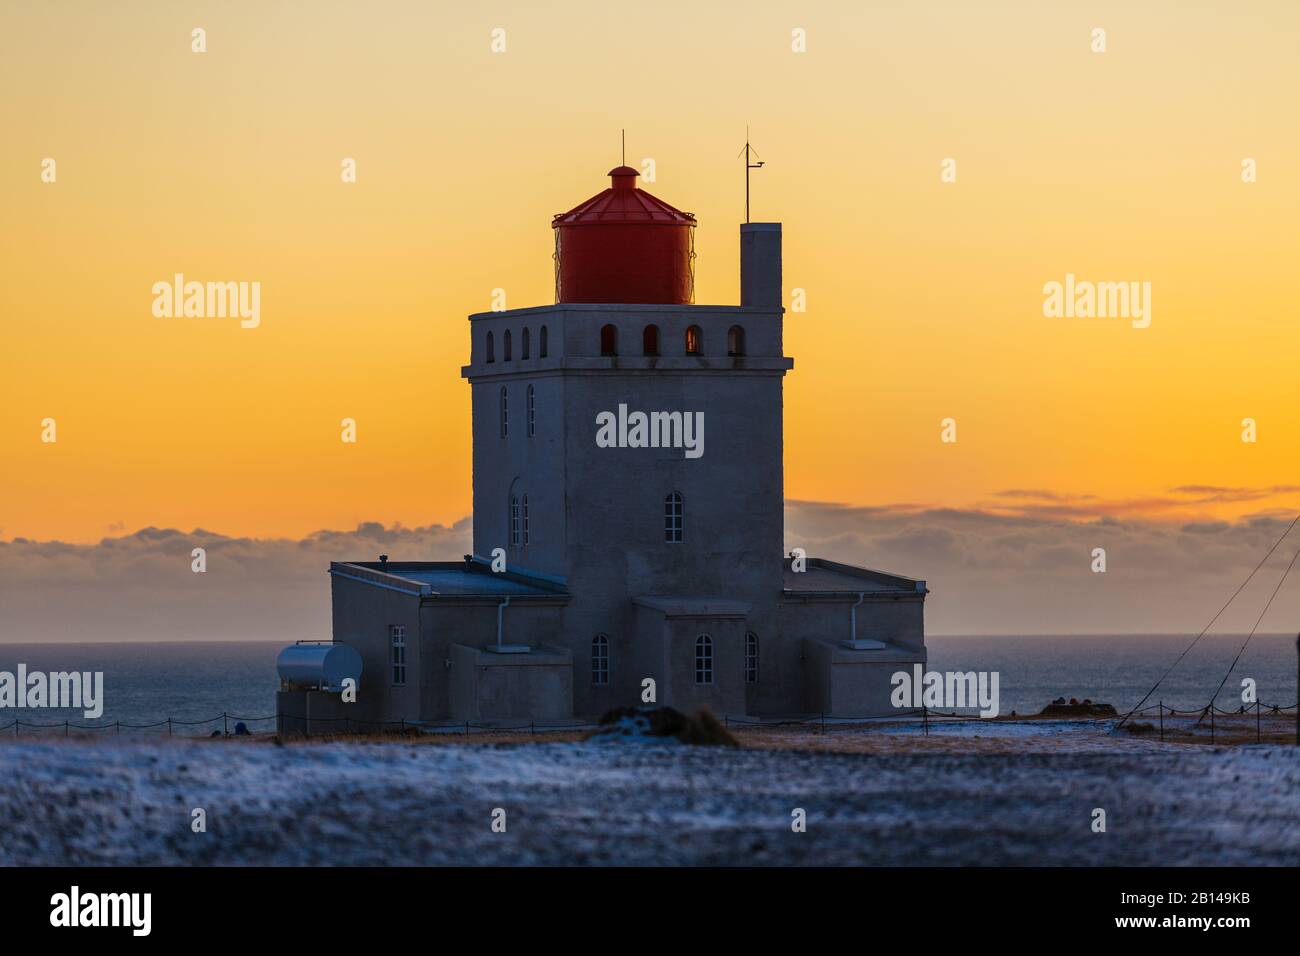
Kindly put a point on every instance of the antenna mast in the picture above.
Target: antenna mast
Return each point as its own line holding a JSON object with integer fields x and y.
{"x": 748, "y": 166}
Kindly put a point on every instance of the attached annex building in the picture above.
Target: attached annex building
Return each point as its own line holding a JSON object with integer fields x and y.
{"x": 635, "y": 558}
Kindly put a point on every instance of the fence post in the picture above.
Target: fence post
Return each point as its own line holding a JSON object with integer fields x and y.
{"x": 1211, "y": 721}
{"x": 118, "y": 725}
{"x": 65, "y": 728}
{"x": 1161, "y": 708}
{"x": 225, "y": 725}
{"x": 169, "y": 726}
{"x": 1257, "y": 737}
{"x": 467, "y": 728}
{"x": 532, "y": 728}
{"x": 925, "y": 719}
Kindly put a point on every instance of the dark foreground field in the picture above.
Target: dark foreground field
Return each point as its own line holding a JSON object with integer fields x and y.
{"x": 78, "y": 802}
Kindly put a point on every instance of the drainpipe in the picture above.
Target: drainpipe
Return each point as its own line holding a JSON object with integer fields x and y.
{"x": 853, "y": 617}
{"x": 500, "y": 609}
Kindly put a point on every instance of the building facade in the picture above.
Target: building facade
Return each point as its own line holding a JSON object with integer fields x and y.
{"x": 628, "y": 513}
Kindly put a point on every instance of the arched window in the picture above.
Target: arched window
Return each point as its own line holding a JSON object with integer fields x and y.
{"x": 541, "y": 343}
{"x": 704, "y": 659}
{"x": 650, "y": 340}
{"x": 514, "y": 521}
{"x": 694, "y": 340}
{"x": 735, "y": 340}
{"x": 674, "y": 518}
{"x": 532, "y": 412}
{"x": 600, "y": 659}
{"x": 505, "y": 346}
{"x": 491, "y": 348}
{"x": 523, "y": 345}
{"x": 525, "y": 521}
{"x": 505, "y": 413}
{"x": 608, "y": 340}
{"x": 751, "y": 658}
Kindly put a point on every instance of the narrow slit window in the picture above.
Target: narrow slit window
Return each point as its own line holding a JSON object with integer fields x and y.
{"x": 736, "y": 340}
{"x": 694, "y": 340}
{"x": 397, "y": 636}
{"x": 674, "y": 518}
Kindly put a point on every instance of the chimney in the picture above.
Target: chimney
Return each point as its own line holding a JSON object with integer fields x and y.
{"x": 760, "y": 265}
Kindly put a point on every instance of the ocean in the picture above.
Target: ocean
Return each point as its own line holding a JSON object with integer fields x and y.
{"x": 195, "y": 683}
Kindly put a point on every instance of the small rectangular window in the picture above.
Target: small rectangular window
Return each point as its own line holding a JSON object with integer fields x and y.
{"x": 397, "y": 634}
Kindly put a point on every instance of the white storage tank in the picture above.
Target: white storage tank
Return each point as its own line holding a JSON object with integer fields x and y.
{"x": 322, "y": 664}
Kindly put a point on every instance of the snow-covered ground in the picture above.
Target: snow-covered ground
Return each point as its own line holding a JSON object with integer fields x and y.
{"x": 77, "y": 802}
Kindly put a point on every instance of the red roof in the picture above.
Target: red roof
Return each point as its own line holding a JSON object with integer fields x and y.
{"x": 622, "y": 202}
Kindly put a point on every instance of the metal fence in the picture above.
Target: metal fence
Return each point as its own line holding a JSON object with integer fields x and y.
{"x": 222, "y": 723}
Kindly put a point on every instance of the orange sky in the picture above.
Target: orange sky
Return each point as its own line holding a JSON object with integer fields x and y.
{"x": 924, "y": 298}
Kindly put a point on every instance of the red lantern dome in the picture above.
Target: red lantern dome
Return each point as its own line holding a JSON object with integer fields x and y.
{"x": 625, "y": 246}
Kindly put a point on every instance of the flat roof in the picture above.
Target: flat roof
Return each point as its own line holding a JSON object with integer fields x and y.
{"x": 473, "y": 578}
{"x": 626, "y": 307}
{"x": 822, "y": 576}
{"x": 674, "y": 605}
{"x": 462, "y": 582}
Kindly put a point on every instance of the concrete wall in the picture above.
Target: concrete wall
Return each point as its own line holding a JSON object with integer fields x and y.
{"x": 520, "y": 465}
{"x": 733, "y": 528}
{"x": 760, "y": 264}
{"x": 317, "y": 713}
{"x": 846, "y": 683}
{"x": 726, "y": 695}
{"x": 362, "y": 614}
{"x": 537, "y": 686}
{"x": 893, "y": 619}
{"x": 597, "y": 514}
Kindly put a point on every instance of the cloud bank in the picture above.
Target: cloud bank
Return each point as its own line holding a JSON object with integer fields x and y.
{"x": 1028, "y": 569}
{"x": 140, "y": 586}
{"x": 1022, "y": 565}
